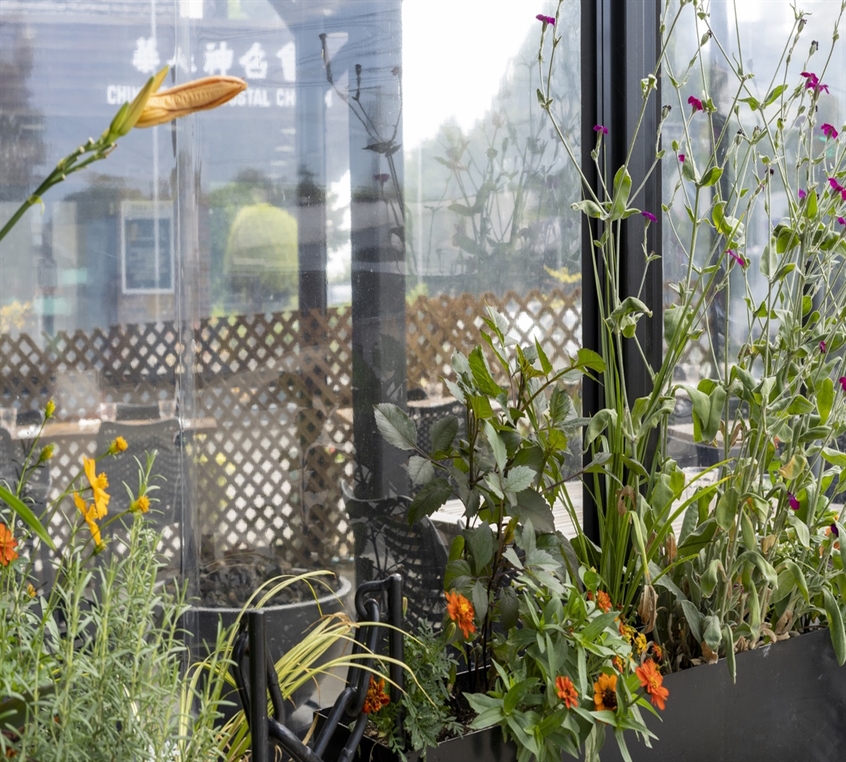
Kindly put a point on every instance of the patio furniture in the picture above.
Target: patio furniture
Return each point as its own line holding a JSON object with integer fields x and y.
{"x": 255, "y": 676}
{"x": 386, "y": 544}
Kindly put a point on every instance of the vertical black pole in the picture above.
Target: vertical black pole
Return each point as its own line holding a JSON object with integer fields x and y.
{"x": 620, "y": 45}
{"x": 311, "y": 168}
{"x": 378, "y": 252}
{"x": 258, "y": 687}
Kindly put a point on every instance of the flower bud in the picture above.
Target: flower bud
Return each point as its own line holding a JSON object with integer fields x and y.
{"x": 198, "y": 95}
{"x": 46, "y": 453}
{"x": 49, "y": 409}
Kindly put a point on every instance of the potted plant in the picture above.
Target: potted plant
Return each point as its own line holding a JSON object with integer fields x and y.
{"x": 698, "y": 566}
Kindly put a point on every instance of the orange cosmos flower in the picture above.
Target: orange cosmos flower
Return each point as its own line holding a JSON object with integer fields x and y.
{"x": 567, "y": 691}
{"x": 142, "y": 504}
{"x": 118, "y": 445}
{"x": 650, "y": 679}
{"x": 461, "y": 611}
{"x": 7, "y": 546}
{"x": 376, "y": 697}
{"x": 605, "y": 693}
{"x": 98, "y": 483}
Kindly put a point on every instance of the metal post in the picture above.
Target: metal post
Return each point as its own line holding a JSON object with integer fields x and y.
{"x": 258, "y": 687}
{"x": 620, "y": 44}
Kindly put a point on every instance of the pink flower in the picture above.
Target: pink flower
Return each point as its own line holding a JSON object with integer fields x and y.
{"x": 842, "y": 220}
{"x": 546, "y": 19}
{"x": 696, "y": 103}
{"x": 842, "y": 382}
{"x": 736, "y": 257}
{"x": 600, "y": 128}
{"x": 829, "y": 131}
{"x": 802, "y": 194}
{"x": 681, "y": 158}
{"x": 812, "y": 82}
{"x": 793, "y": 501}
{"x": 651, "y": 217}
{"x": 822, "y": 347}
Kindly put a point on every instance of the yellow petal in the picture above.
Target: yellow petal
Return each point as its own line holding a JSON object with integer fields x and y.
{"x": 198, "y": 95}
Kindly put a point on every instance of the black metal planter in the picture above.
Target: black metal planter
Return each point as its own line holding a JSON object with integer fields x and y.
{"x": 789, "y": 703}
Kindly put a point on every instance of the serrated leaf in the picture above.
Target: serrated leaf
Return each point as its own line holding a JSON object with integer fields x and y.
{"x": 532, "y": 507}
{"x": 420, "y": 469}
{"x": 395, "y": 426}
{"x": 430, "y": 497}
{"x": 519, "y": 478}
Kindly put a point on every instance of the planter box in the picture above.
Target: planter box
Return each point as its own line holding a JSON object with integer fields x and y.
{"x": 789, "y": 703}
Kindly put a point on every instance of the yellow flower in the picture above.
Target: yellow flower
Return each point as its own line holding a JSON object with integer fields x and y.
{"x": 640, "y": 643}
{"x": 89, "y": 513}
{"x": 605, "y": 693}
{"x": 142, "y": 504}
{"x": 198, "y": 95}
{"x": 118, "y": 445}
{"x": 49, "y": 409}
{"x": 98, "y": 483}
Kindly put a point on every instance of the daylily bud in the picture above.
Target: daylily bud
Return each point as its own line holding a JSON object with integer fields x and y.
{"x": 198, "y": 95}
{"x": 127, "y": 116}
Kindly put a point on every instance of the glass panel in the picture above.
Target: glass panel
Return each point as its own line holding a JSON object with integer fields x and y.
{"x": 277, "y": 266}
{"x": 756, "y": 34}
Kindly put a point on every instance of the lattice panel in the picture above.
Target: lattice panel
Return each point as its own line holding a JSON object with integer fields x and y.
{"x": 277, "y": 391}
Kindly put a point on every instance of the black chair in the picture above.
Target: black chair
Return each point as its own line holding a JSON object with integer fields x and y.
{"x": 426, "y": 412}
{"x": 386, "y": 544}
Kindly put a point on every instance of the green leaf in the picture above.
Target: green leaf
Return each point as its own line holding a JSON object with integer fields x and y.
{"x": 798, "y": 577}
{"x": 590, "y": 208}
{"x": 768, "y": 262}
{"x": 480, "y": 600}
{"x": 519, "y": 478}
{"x": 602, "y": 420}
{"x": 395, "y": 426}
{"x": 497, "y": 445}
{"x": 25, "y": 514}
{"x": 533, "y": 507}
{"x": 481, "y": 375}
{"x": 430, "y": 497}
{"x": 712, "y": 635}
{"x": 464, "y": 211}
{"x": 693, "y": 619}
{"x": 825, "y": 399}
{"x": 699, "y": 538}
{"x": 622, "y": 189}
{"x": 710, "y": 177}
{"x": 774, "y": 95}
{"x": 726, "y": 509}
{"x": 835, "y": 626}
{"x": 728, "y": 645}
{"x": 420, "y": 469}
{"x": 481, "y": 407}
{"x": 811, "y": 205}
{"x": 587, "y": 358}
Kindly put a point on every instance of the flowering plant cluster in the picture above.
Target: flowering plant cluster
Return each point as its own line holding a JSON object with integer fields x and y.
{"x": 693, "y": 564}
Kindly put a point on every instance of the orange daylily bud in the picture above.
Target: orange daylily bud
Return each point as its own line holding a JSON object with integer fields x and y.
{"x": 198, "y": 95}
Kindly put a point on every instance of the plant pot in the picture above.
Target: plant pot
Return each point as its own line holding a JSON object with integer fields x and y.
{"x": 285, "y": 627}
{"x": 789, "y": 703}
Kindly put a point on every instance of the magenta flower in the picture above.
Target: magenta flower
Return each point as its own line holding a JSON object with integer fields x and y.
{"x": 793, "y": 501}
{"x": 696, "y": 103}
{"x": 835, "y": 186}
{"x": 842, "y": 382}
{"x": 842, "y": 220}
{"x": 829, "y": 131}
{"x": 834, "y": 530}
{"x": 802, "y": 194}
{"x": 600, "y": 128}
{"x": 812, "y": 82}
{"x": 382, "y": 178}
{"x": 681, "y": 158}
{"x": 651, "y": 217}
{"x": 822, "y": 347}
{"x": 546, "y": 19}
{"x": 736, "y": 257}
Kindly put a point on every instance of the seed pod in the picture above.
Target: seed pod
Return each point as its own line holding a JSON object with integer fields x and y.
{"x": 198, "y": 95}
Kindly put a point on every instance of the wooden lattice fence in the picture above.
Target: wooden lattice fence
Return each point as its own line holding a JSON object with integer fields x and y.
{"x": 277, "y": 391}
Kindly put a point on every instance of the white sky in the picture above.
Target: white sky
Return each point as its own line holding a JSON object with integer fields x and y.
{"x": 455, "y": 53}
